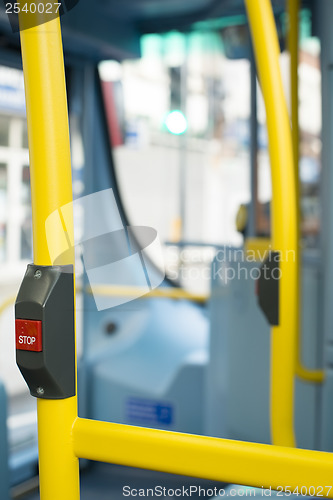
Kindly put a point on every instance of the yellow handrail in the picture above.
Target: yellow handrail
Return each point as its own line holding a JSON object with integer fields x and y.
{"x": 51, "y": 188}
{"x": 316, "y": 376}
{"x": 200, "y": 456}
{"x": 136, "y": 291}
{"x": 284, "y": 219}
{"x": 6, "y": 303}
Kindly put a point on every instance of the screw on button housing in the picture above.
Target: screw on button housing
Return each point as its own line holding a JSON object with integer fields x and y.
{"x": 38, "y": 274}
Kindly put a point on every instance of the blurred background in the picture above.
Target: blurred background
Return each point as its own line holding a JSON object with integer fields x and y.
{"x": 179, "y": 121}
{"x": 180, "y": 124}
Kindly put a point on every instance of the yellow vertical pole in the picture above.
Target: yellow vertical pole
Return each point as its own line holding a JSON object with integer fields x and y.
{"x": 315, "y": 376}
{"x": 284, "y": 219}
{"x": 51, "y": 188}
{"x": 293, "y": 35}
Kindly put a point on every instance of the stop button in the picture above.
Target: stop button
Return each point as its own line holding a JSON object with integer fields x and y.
{"x": 28, "y": 335}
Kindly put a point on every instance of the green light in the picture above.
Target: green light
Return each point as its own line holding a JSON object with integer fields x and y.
{"x": 176, "y": 122}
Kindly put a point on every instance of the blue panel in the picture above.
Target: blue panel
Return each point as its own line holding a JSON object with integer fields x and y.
{"x": 148, "y": 411}
{"x": 238, "y": 381}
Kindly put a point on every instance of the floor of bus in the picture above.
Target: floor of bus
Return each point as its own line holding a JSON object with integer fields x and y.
{"x": 100, "y": 481}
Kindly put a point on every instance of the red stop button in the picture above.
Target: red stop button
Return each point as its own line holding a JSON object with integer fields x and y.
{"x": 28, "y": 335}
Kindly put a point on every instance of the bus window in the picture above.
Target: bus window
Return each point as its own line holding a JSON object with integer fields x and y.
{"x": 309, "y": 74}
{"x": 3, "y": 200}
{"x": 310, "y": 139}
{"x": 15, "y": 213}
{"x": 179, "y": 126}
{"x": 25, "y": 144}
{"x": 26, "y": 224}
{"x": 4, "y": 130}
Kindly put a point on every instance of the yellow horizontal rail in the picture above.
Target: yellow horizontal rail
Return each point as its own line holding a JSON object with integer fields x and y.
{"x": 6, "y": 303}
{"x": 198, "y": 456}
{"x": 314, "y": 376}
{"x": 134, "y": 291}
{"x": 257, "y": 247}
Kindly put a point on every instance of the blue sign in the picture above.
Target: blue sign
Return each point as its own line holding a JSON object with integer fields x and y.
{"x": 147, "y": 411}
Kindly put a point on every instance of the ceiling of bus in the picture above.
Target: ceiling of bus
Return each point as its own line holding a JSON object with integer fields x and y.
{"x": 158, "y": 15}
{"x": 102, "y": 29}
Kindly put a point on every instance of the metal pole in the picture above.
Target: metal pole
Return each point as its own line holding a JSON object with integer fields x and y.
{"x": 51, "y": 188}
{"x": 315, "y": 376}
{"x": 252, "y": 230}
{"x": 235, "y": 462}
{"x": 284, "y": 220}
{"x": 183, "y": 148}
